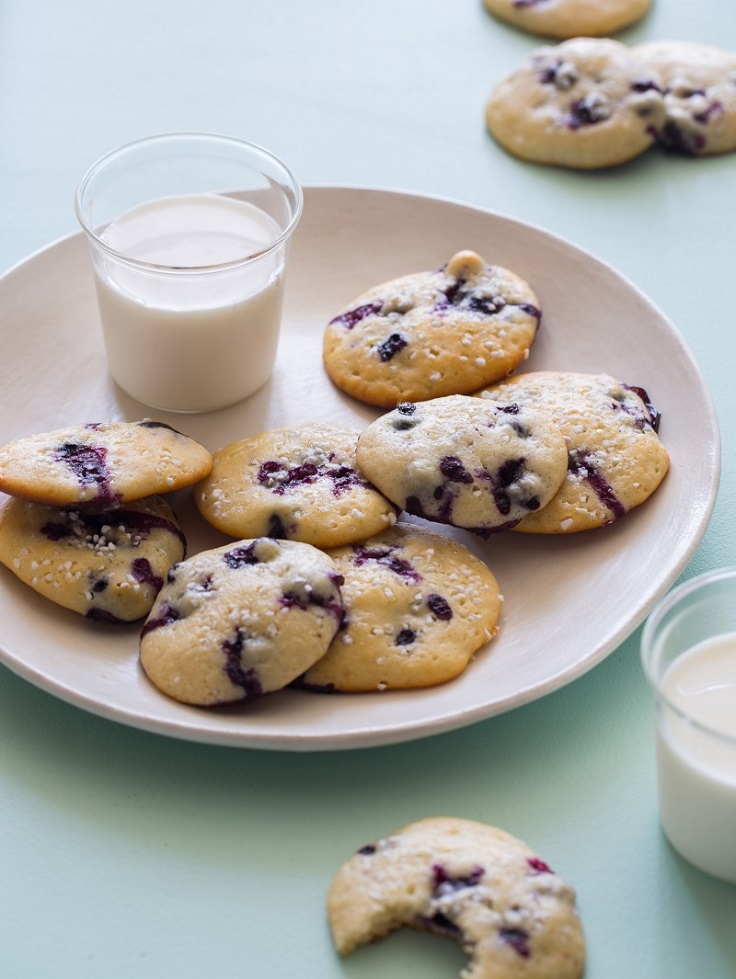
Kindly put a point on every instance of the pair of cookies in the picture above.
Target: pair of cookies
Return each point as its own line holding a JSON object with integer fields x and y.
{"x": 406, "y": 608}
{"x": 85, "y": 523}
{"x": 590, "y": 103}
{"x": 543, "y": 452}
{"x": 416, "y": 604}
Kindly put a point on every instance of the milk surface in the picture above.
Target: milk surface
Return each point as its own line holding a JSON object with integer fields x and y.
{"x": 697, "y": 768}
{"x": 186, "y": 333}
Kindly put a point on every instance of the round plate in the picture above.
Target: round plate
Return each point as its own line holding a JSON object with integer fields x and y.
{"x": 569, "y": 601}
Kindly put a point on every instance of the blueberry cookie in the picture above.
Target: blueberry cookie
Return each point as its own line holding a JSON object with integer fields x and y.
{"x": 432, "y": 334}
{"x": 616, "y": 459}
{"x": 586, "y": 103}
{"x": 698, "y": 82}
{"x": 418, "y": 605}
{"x": 300, "y": 483}
{"x": 482, "y": 887}
{"x": 101, "y": 464}
{"x": 482, "y": 469}
{"x": 240, "y": 621}
{"x": 106, "y": 565}
{"x": 569, "y": 18}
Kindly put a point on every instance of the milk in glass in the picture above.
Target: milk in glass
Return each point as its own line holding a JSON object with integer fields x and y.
{"x": 191, "y": 306}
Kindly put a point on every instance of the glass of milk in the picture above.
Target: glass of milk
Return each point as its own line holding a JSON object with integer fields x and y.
{"x": 688, "y": 650}
{"x": 189, "y": 235}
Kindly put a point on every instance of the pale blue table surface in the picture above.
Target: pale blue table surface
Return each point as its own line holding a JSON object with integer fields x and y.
{"x": 134, "y": 856}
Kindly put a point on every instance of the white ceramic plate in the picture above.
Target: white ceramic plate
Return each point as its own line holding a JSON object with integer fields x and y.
{"x": 569, "y": 601}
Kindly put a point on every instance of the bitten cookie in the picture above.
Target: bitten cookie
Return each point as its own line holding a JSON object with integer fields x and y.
{"x": 101, "y": 464}
{"x": 240, "y": 621}
{"x": 699, "y": 86}
{"x": 586, "y": 103}
{"x": 480, "y": 886}
{"x": 569, "y": 18}
{"x": 108, "y": 565}
{"x": 479, "y": 469}
{"x": 418, "y": 604}
{"x": 616, "y": 458}
{"x": 432, "y": 334}
{"x": 299, "y": 483}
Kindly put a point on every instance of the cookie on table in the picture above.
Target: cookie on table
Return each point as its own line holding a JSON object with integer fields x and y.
{"x": 616, "y": 458}
{"x": 482, "y": 469}
{"x": 569, "y": 18}
{"x": 418, "y": 605}
{"x": 295, "y": 483}
{"x": 107, "y": 565}
{"x": 239, "y": 621}
{"x": 101, "y": 464}
{"x": 586, "y": 103}
{"x": 431, "y": 334}
{"x": 479, "y": 885}
{"x": 699, "y": 86}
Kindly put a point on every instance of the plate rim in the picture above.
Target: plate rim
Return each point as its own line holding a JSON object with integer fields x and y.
{"x": 438, "y": 723}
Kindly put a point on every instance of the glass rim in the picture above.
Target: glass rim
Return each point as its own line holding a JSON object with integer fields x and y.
{"x": 142, "y": 265}
{"x": 647, "y": 644}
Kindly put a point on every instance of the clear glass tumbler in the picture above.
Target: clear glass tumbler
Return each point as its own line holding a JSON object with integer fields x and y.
{"x": 688, "y": 650}
{"x": 189, "y": 235}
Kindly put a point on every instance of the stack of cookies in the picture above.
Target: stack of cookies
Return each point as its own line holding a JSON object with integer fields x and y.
{"x": 86, "y": 524}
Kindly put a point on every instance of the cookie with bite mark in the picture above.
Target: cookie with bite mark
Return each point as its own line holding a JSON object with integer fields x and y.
{"x": 108, "y": 565}
{"x": 481, "y": 469}
{"x": 433, "y": 333}
{"x": 239, "y": 621}
{"x": 476, "y": 884}
{"x": 418, "y": 605}
{"x": 101, "y": 464}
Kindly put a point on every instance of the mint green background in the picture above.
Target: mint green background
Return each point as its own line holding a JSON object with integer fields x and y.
{"x": 131, "y": 856}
